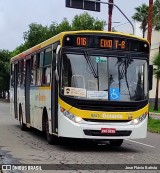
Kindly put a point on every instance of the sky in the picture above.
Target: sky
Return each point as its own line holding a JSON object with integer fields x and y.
{"x": 16, "y": 15}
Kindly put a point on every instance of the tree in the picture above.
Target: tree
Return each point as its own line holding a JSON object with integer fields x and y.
{"x": 19, "y": 49}
{"x": 4, "y": 70}
{"x": 156, "y": 62}
{"x": 156, "y": 14}
{"x": 55, "y": 28}
{"x": 141, "y": 15}
{"x": 36, "y": 34}
{"x": 63, "y": 26}
{"x": 85, "y": 22}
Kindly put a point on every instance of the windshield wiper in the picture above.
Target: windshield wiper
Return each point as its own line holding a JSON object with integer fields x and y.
{"x": 128, "y": 61}
{"x": 122, "y": 73}
{"x": 92, "y": 67}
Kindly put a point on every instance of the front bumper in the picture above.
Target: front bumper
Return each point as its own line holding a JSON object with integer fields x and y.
{"x": 89, "y": 130}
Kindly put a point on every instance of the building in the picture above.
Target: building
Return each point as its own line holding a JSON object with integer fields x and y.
{"x": 155, "y": 48}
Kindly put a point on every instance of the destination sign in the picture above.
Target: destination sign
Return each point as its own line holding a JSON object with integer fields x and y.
{"x": 109, "y": 42}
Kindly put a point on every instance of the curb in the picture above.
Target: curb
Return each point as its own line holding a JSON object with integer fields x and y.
{"x": 154, "y": 115}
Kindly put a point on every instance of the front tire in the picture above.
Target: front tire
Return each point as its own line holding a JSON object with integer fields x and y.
{"x": 51, "y": 139}
{"x": 116, "y": 142}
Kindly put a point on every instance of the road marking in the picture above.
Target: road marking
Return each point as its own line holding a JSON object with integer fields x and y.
{"x": 140, "y": 143}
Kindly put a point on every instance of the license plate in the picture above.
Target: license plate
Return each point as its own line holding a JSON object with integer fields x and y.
{"x": 108, "y": 130}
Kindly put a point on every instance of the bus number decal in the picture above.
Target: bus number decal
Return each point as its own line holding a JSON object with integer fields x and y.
{"x": 81, "y": 41}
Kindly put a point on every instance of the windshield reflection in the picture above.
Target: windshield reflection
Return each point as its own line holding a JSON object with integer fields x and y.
{"x": 104, "y": 78}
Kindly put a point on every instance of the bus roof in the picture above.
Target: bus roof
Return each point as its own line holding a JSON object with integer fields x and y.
{"x": 59, "y": 37}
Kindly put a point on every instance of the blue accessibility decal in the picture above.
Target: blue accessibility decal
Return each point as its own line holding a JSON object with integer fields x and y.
{"x": 114, "y": 93}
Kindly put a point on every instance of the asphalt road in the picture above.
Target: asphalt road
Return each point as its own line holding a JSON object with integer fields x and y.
{"x": 19, "y": 147}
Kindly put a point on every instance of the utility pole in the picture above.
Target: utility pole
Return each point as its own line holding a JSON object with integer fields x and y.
{"x": 110, "y": 9}
{"x": 150, "y": 15}
{"x": 149, "y": 37}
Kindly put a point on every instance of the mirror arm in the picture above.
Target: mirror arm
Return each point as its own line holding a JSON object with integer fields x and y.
{"x": 57, "y": 55}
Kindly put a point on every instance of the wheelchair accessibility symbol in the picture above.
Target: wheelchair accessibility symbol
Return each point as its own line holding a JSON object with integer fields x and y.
{"x": 114, "y": 94}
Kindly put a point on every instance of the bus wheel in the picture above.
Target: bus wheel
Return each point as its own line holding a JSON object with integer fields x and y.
{"x": 116, "y": 142}
{"x": 51, "y": 139}
{"x": 22, "y": 125}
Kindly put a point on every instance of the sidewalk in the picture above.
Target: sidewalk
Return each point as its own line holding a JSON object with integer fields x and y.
{"x": 154, "y": 115}
{"x": 4, "y": 100}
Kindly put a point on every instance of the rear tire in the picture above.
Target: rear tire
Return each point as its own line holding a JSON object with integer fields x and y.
{"x": 116, "y": 142}
{"x": 22, "y": 125}
{"x": 51, "y": 139}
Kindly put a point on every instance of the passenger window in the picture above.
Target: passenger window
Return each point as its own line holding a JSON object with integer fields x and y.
{"x": 33, "y": 70}
{"x": 48, "y": 57}
{"x": 46, "y": 72}
{"x": 19, "y": 73}
{"x": 12, "y": 75}
{"x": 39, "y": 64}
{"x": 23, "y": 73}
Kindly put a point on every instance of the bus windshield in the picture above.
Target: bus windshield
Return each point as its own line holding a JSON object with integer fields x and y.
{"x": 100, "y": 77}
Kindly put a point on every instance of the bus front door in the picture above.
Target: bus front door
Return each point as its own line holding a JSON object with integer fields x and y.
{"x": 15, "y": 90}
{"x": 27, "y": 91}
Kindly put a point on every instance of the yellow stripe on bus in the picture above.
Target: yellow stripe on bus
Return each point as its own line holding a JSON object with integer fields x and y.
{"x": 45, "y": 88}
{"x": 103, "y": 115}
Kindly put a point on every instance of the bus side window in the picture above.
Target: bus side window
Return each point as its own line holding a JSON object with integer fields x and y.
{"x": 54, "y": 59}
{"x": 22, "y": 72}
{"x": 33, "y": 70}
{"x": 12, "y": 75}
{"x": 39, "y": 63}
{"x": 46, "y": 73}
{"x": 19, "y": 74}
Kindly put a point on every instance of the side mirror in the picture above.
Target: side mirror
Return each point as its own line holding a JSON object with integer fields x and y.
{"x": 57, "y": 57}
{"x": 150, "y": 76}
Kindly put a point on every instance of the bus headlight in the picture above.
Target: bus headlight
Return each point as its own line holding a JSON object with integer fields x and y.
{"x": 71, "y": 116}
{"x": 139, "y": 119}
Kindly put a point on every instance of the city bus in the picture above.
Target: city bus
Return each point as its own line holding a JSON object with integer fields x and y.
{"x": 90, "y": 85}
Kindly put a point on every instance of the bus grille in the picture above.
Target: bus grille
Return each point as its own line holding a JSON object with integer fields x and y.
{"x": 98, "y": 133}
{"x": 105, "y": 121}
{"x": 105, "y": 106}
{"x": 108, "y": 107}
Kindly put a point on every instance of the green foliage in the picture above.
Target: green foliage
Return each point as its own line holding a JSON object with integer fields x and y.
{"x": 151, "y": 109}
{"x": 154, "y": 125}
{"x": 156, "y": 63}
{"x": 63, "y": 26}
{"x": 141, "y": 15}
{"x": 4, "y": 70}
{"x": 156, "y": 14}
{"x": 38, "y": 33}
{"x": 53, "y": 29}
{"x": 86, "y": 22}
{"x": 4, "y": 62}
{"x": 19, "y": 49}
